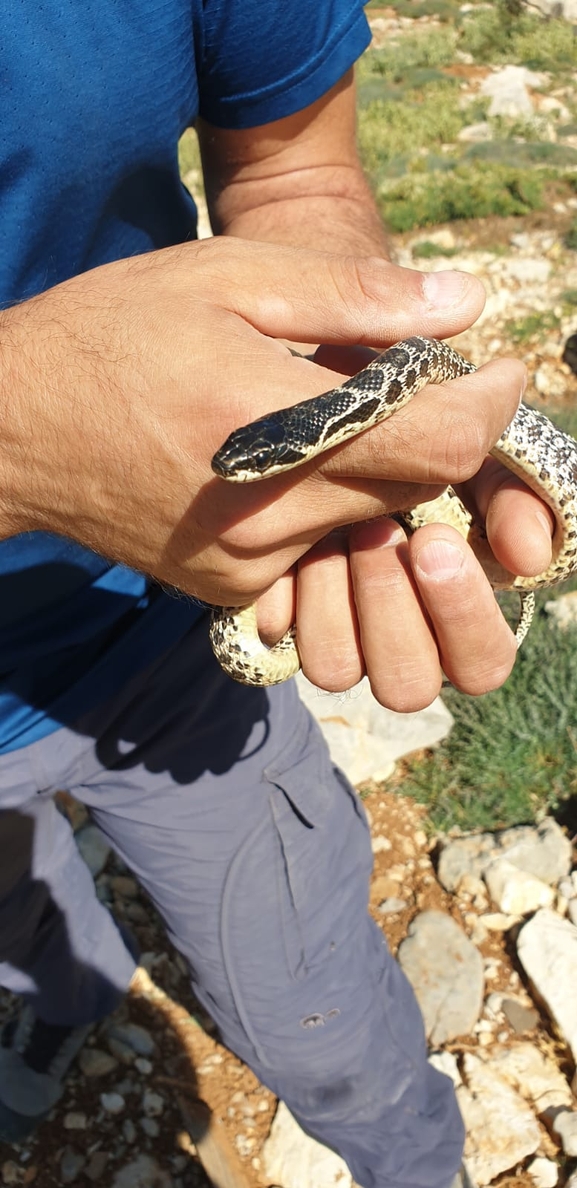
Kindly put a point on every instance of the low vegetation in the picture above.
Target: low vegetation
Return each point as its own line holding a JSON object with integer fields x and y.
{"x": 512, "y": 755}
{"x": 414, "y": 104}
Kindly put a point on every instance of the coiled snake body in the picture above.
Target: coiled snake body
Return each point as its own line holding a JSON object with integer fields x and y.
{"x": 532, "y": 448}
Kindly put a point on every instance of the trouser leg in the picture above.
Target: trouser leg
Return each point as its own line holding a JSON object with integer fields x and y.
{"x": 59, "y": 947}
{"x": 257, "y": 854}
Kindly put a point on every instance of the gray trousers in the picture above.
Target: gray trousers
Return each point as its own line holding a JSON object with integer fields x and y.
{"x": 256, "y": 852}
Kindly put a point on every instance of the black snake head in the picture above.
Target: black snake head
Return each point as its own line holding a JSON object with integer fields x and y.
{"x": 257, "y": 451}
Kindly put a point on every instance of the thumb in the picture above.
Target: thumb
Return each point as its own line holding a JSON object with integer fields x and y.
{"x": 310, "y": 296}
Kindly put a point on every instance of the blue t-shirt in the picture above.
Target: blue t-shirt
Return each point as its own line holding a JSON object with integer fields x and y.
{"x": 93, "y": 100}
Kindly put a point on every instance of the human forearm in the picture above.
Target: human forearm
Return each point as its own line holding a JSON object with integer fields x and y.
{"x": 296, "y": 181}
{"x": 26, "y": 341}
{"x": 329, "y": 209}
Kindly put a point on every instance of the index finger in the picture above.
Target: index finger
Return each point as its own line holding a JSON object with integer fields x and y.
{"x": 442, "y": 435}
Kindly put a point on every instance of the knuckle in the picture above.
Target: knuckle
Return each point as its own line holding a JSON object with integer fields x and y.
{"x": 465, "y": 446}
{"x": 360, "y": 288}
{"x": 336, "y": 674}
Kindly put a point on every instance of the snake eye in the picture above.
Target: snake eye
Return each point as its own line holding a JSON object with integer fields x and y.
{"x": 261, "y": 460}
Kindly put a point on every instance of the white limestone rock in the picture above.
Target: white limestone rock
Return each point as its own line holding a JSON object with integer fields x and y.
{"x": 528, "y": 270}
{"x": 96, "y": 1063}
{"x": 476, "y": 133}
{"x": 534, "y": 1076}
{"x": 501, "y": 1128}
{"x": 364, "y": 739}
{"x": 142, "y": 1172}
{"x": 446, "y": 1062}
{"x": 113, "y": 1103}
{"x": 547, "y": 949}
{"x": 291, "y": 1159}
{"x": 514, "y": 891}
{"x": 564, "y": 1126}
{"x": 442, "y": 237}
{"x": 543, "y": 851}
{"x": 549, "y": 381}
{"x": 544, "y": 1172}
{"x": 498, "y": 921}
{"x": 563, "y": 610}
{"x": 520, "y": 1016}
{"x": 380, "y": 844}
{"x": 137, "y": 1037}
{"x": 446, "y": 972}
{"x": 507, "y": 88}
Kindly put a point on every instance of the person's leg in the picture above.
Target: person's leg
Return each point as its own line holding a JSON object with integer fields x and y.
{"x": 59, "y": 948}
{"x": 256, "y": 852}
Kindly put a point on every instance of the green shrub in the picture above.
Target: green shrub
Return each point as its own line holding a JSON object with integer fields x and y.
{"x": 544, "y": 44}
{"x": 402, "y": 127}
{"x": 425, "y": 250}
{"x": 497, "y": 34}
{"x": 512, "y": 754}
{"x": 444, "y": 10}
{"x": 414, "y": 51}
{"x": 533, "y": 153}
{"x": 534, "y": 325}
{"x": 418, "y": 78}
{"x": 466, "y": 192}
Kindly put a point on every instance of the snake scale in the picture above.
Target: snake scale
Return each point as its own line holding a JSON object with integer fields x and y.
{"x": 532, "y": 448}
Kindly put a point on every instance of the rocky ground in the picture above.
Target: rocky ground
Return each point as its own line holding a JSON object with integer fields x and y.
{"x": 453, "y": 913}
{"x": 528, "y": 275}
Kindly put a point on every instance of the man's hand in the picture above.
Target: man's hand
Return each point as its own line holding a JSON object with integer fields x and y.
{"x": 120, "y": 384}
{"x": 410, "y": 611}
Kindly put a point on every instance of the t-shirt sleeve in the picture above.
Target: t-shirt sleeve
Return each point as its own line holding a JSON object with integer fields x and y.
{"x": 266, "y": 59}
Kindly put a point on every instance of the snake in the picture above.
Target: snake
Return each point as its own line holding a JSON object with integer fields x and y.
{"x": 531, "y": 447}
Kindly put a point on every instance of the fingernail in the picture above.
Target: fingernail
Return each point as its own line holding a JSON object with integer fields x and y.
{"x": 440, "y": 560}
{"x": 544, "y": 520}
{"x": 443, "y": 289}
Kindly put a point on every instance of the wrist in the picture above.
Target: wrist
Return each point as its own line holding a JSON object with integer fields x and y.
{"x": 343, "y": 223}
{"x": 32, "y": 448}
{"x": 16, "y": 431}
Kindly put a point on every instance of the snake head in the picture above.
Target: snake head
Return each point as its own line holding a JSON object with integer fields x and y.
{"x": 256, "y": 451}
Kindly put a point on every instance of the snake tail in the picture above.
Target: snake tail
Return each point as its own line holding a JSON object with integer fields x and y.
{"x": 240, "y": 651}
